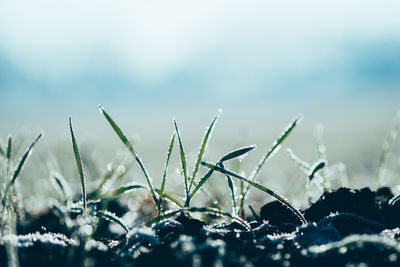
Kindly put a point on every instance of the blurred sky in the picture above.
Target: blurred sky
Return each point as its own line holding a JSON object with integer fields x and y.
{"x": 164, "y": 59}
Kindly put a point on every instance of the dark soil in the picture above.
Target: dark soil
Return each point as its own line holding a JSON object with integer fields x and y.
{"x": 345, "y": 227}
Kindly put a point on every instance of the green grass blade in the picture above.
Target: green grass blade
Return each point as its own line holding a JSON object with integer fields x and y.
{"x": 240, "y": 152}
{"x": 254, "y": 214}
{"x": 183, "y": 160}
{"x": 8, "y": 156}
{"x": 317, "y": 166}
{"x": 199, "y": 185}
{"x": 170, "y": 198}
{"x": 2, "y": 151}
{"x": 113, "y": 218}
{"x": 23, "y": 159}
{"x": 274, "y": 149}
{"x": 119, "y": 191}
{"x": 170, "y": 147}
{"x": 276, "y": 145}
{"x": 203, "y": 148}
{"x": 128, "y": 144}
{"x": 232, "y": 189}
{"x": 9, "y": 148}
{"x": 259, "y": 186}
{"x": 19, "y": 167}
{"x": 387, "y": 147}
{"x": 79, "y": 164}
{"x": 60, "y": 184}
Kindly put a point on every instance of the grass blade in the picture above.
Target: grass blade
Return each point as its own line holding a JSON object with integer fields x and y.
{"x": 113, "y": 218}
{"x": 203, "y": 148}
{"x": 199, "y": 185}
{"x": 171, "y": 146}
{"x": 232, "y": 189}
{"x": 128, "y": 144}
{"x": 79, "y": 164}
{"x": 240, "y": 152}
{"x": 275, "y": 148}
{"x": 254, "y": 214}
{"x": 23, "y": 159}
{"x": 8, "y": 156}
{"x": 9, "y": 147}
{"x": 276, "y": 145}
{"x": 304, "y": 166}
{"x": 170, "y": 198}
{"x": 120, "y": 191}
{"x": 317, "y": 166}
{"x": 258, "y": 186}
{"x": 60, "y": 184}
{"x": 19, "y": 168}
{"x": 183, "y": 160}
{"x": 2, "y": 151}
{"x": 387, "y": 147}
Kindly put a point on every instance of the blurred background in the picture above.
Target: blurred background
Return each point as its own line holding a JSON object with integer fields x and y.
{"x": 148, "y": 62}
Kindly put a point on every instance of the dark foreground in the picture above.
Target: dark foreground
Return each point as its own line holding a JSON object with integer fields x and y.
{"x": 346, "y": 227}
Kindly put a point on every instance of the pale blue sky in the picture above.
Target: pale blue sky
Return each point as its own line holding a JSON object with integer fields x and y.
{"x": 71, "y": 55}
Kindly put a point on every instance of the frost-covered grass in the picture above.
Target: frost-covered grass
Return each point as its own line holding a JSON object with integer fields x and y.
{"x": 84, "y": 212}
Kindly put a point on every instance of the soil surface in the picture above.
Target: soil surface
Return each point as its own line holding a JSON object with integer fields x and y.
{"x": 345, "y": 227}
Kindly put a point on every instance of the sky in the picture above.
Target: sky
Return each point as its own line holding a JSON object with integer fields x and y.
{"x": 187, "y": 57}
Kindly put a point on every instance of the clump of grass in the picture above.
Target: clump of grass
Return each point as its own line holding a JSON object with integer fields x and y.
{"x": 190, "y": 181}
{"x": 8, "y": 198}
{"x": 10, "y": 179}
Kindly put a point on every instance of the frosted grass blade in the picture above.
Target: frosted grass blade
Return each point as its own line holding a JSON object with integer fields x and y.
{"x": 304, "y": 166}
{"x": 119, "y": 191}
{"x": 199, "y": 185}
{"x": 232, "y": 189}
{"x": 79, "y": 165}
{"x": 23, "y": 159}
{"x": 61, "y": 184}
{"x": 387, "y": 147}
{"x": 128, "y": 144}
{"x": 170, "y": 147}
{"x": 113, "y": 218}
{"x": 240, "y": 152}
{"x": 183, "y": 160}
{"x": 170, "y": 198}
{"x": 276, "y": 145}
{"x": 19, "y": 167}
{"x": 274, "y": 149}
{"x": 203, "y": 148}
{"x": 317, "y": 166}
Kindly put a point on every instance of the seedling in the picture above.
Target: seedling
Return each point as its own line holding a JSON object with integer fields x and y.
{"x": 190, "y": 181}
